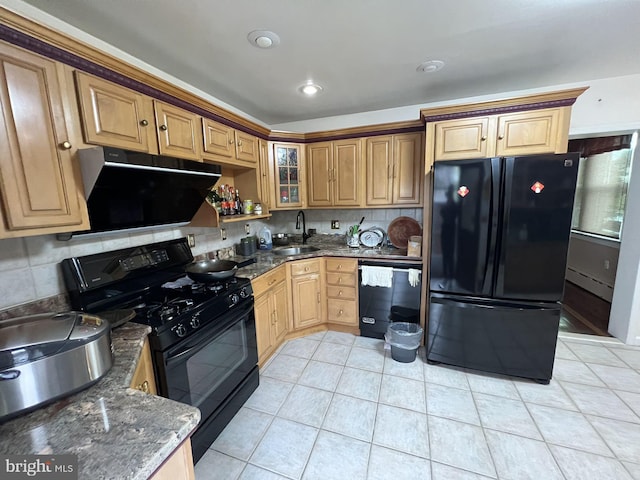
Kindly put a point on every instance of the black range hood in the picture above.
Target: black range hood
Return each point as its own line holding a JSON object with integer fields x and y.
{"x": 131, "y": 190}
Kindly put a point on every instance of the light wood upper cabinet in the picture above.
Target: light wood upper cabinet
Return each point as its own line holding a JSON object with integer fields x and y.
{"x": 265, "y": 177}
{"x": 178, "y": 132}
{"x": 528, "y": 133}
{"x": 394, "y": 169}
{"x": 334, "y": 173}
{"x": 287, "y": 162}
{"x": 115, "y": 116}
{"x": 228, "y": 144}
{"x": 522, "y": 133}
{"x": 319, "y": 171}
{"x": 467, "y": 138}
{"x": 408, "y": 158}
{"x": 40, "y": 187}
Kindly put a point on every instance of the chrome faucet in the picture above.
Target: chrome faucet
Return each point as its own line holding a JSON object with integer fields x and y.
{"x": 304, "y": 226}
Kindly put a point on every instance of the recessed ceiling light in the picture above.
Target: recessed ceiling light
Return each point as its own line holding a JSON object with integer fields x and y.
{"x": 310, "y": 89}
{"x": 263, "y": 39}
{"x": 430, "y": 66}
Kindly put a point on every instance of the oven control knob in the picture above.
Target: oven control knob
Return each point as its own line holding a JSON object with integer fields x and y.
{"x": 195, "y": 321}
{"x": 180, "y": 330}
{"x": 244, "y": 293}
{"x": 234, "y": 299}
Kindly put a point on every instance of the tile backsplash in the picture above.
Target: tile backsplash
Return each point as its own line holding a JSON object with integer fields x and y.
{"x": 30, "y": 267}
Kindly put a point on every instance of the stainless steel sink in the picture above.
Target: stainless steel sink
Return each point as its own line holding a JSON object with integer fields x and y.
{"x": 290, "y": 251}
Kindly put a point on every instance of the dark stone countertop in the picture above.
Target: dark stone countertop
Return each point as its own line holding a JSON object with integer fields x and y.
{"x": 117, "y": 432}
{"x": 329, "y": 246}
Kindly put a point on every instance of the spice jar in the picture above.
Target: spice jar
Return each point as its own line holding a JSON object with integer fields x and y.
{"x": 257, "y": 209}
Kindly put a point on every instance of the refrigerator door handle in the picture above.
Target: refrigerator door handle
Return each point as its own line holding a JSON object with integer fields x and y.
{"x": 474, "y": 302}
{"x": 504, "y": 226}
{"x": 494, "y": 209}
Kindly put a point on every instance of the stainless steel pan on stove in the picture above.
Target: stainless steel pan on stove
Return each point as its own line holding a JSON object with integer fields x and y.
{"x": 211, "y": 270}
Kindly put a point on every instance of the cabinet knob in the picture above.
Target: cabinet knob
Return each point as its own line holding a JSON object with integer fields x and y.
{"x": 500, "y": 137}
{"x": 231, "y": 141}
{"x": 340, "y": 313}
{"x": 163, "y": 128}
{"x": 239, "y": 143}
{"x": 66, "y": 145}
{"x": 144, "y": 123}
{"x": 340, "y": 266}
{"x": 483, "y": 138}
{"x": 144, "y": 387}
{"x": 306, "y": 269}
{"x": 340, "y": 293}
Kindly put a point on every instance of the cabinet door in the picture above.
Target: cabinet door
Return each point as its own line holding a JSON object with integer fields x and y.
{"x": 528, "y": 133}
{"x": 379, "y": 180}
{"x": 307, "y": 301}
{"x": 178, "y": 132}
{"x": 264, "y": 182}
{"x": 246, "y": 147}
{"x": 179, "y": 466}
{"x": 466, "y": 138}
{"x": 408, "y": 171}
{"x": 347, "y": 173}
{"x": 281, "y": 315}
{"x": 115, "y": 116}
{"x": 218, "y": 138}
{"x": 319, "y": 174}
{"x": 287, "y": 170}
{"x": 264, "y": 326}
{"x": 144, "y": 376}
{"x": 37, "y": 180}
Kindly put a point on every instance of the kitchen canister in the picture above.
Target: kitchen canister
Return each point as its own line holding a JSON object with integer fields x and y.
{"x": 248, "y": 207}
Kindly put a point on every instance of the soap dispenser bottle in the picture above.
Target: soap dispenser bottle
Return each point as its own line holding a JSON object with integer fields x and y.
{"x": 265, "y": 239}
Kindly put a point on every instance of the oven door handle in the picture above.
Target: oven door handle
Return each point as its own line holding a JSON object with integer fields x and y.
{"x": 204, "y": 338}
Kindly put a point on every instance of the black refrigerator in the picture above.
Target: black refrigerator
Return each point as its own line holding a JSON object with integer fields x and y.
{"x": 500, "y": 232}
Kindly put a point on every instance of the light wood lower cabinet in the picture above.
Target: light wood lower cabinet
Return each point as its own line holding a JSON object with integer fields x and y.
{"x": 144, "y": 376}
{"x": 40, "y": 187}
{"x": 342, "y": 291}
{"x": 271, "y": 311}
{"x": 179, "y": 466}
{"x": 307, "y": 294}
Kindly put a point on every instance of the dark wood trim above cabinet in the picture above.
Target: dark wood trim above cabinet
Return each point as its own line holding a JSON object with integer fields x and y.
{"x": 53, "y": 44}
{"x": 561, "y": 98}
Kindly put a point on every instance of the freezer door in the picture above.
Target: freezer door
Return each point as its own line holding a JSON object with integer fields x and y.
{"x": 516, "y": 339}
{"x": 536, "y": 224}
{"x": 464, "y": 215}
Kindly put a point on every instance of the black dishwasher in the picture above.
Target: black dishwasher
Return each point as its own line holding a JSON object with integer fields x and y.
{"x": 381, "y": 305}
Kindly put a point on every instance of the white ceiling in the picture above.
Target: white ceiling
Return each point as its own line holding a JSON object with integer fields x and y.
{"x": 365, "y": 52}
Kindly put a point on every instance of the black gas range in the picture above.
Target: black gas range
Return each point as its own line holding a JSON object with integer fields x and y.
{"x": 203, "y": 341}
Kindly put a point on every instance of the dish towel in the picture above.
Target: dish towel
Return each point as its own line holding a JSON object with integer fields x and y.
{"x": 414, "y": 277}
{"x": 377, "y": 276}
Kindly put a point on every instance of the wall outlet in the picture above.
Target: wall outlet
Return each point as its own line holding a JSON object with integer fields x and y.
{"x": 335, "y": 224}
{"x": 223, "y": 234}
{"x": 191, "y": 238}
{"x": 247, "y": 228}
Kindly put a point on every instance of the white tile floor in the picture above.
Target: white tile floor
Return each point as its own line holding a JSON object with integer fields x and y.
{"x": 335, "y": 406}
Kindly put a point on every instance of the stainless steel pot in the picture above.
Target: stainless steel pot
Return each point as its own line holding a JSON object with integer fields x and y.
{"x": 48, "y": 356}
{"x": 211, "y": 270}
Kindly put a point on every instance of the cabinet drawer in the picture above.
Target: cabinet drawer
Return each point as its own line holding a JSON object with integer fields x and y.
{"x": 268, "y": 280}
{"x": 341, "y": 265}
{"x": 342, "y": 311}
{"x": 303, "y": 267}
{"x": 346, "y": 279}
{"x": 343, "y": 293}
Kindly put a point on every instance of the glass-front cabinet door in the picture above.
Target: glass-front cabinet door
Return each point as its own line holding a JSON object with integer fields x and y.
{"x": 288, "y": 175}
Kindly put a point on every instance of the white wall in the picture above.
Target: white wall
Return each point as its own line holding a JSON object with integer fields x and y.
{"x": 592, "y": 264}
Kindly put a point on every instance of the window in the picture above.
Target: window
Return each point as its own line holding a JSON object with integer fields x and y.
{"x": 603, "y": 179}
